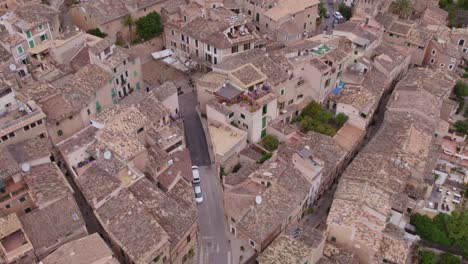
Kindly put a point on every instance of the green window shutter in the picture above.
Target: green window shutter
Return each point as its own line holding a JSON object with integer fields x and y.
{"x": 40, "y": 27}
{"x": 110, "y": 81}
{"x": 31, "y": 44}
{"x": 264, "y": 121}
{"x": 98, "y": 107}
{"x": 94, "y": 94}
{"x": 138, "y": 85}
{"x": 60, "y": 133}
{"x": 20, "y": 49}
{"x": 133, "y": 62}
{"x": 263, "y": 133}
{"x": 135, "y": 74}
{"x": 28, "y": 34}
{"x": 112, "y": 92}
{"x": 264, "y": 110}
{"x": 282, "y": 91}
{"x": 215, "y": 60}
{"x": 114, "y": 101}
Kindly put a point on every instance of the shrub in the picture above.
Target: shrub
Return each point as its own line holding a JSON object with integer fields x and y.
{"x": 340, "y": 119}
{"x": 447, "y": 258}
{"x": 265, "y": 157}
{"x": 149, "y": 26}
{"x": 427, "y": 257}
{"x": 96, "y": 32}
{"x": 346, "y": 11}
{"x": 270, "y": 142}
{"x": 462, "y": 126}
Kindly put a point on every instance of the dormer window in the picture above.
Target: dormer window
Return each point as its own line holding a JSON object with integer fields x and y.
{"x": 107, "y": 51}
{"x": 461, "y": 42}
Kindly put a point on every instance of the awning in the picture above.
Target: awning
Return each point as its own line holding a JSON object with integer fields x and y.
{"x": 40, "y": 48}
{"x": 338, "y": 88}
{"x": 162, "y": 54}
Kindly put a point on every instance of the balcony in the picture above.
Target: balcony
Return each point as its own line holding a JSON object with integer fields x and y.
{"x": 11, "y": 189}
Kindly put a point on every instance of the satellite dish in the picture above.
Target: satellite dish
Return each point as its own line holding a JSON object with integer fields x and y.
{"x": 12, "y": 67}
{"x": 258, "y": 199}
{"x": 25, "y": 167}
{"x": 107, "y": 155}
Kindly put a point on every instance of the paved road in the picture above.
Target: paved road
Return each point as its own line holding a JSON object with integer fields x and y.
{"x": 214, "y": 246}
{"x": 327, "y": 22}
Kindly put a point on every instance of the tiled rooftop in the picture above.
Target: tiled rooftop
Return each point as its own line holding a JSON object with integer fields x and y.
{"x": 132, "y": 227}
{"x": 86, "y": 250}
{"x": 174, "y": 213}
{"x": 289, "y": 249}
{"x": 47, "y": 184}
{"x": 48, "y": 225}
{"x": 30, "y": 149}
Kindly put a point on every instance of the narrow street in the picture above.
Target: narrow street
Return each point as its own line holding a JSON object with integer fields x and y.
{"x": 214, "y": 245}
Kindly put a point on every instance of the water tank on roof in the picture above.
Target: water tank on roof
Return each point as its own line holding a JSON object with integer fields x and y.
{"x": 258, "y": 199}
{"x": 25, "y": 167}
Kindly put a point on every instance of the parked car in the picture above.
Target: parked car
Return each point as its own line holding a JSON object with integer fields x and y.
{"x": 196, "y": 175}
{"x": 198, "y": 194}
{"x": 327, "y": 14}
{"x": 338, "y": 16}
{"x": 440, "y": 189}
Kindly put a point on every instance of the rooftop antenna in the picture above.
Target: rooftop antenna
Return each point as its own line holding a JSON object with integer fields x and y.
{"x": 258, "y": 199}
{"x": 107, "y": 155}
{"x": 25, "y": 167}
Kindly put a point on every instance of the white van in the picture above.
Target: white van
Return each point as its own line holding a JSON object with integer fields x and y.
{"x": 455, "y": 201}
{"x": 457, "y": 195}
{"x": 195, "y": 175}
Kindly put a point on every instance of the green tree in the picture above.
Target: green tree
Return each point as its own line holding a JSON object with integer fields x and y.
{"x": 270, "y": 142}
{"x": 96, "y": 32}
{"x": 311, "y": 109}
{"x": 149, "y": 26}
{"x": 129, "y": 22}
{"x": 428, "y": 230}
{"x": 403, "y": 8}
{"x": 445, "y": 3}
{"x": 427, "y": 257}
{"x": 447, "y": 258}
{"x": 462, "y": 126}
{"x": 461, "y": 89}
{"x": 340, "y": 119}
{"x": 346, "y": 11}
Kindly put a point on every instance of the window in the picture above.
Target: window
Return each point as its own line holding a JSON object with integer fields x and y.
{"x": 135, "y": 74}
{"x": 300, "y": 96}
{"x": 461, "y": 42}
{"x": 20, "y": 49}
{"x": 43, "y": 37}
{"x": 235, "y": 49}
{"x": 88, "y": 111}
{"x": 465, "y": 50}
{"x": 231, "y": 115}
{"x": 188, "y": 40}
{"x": 33, "y": 125}
{"x": 432, "y": 61}
{"x": 208, "y": 47}
{"x": 22, "y": 199}
{"x": 98, "y": 107}
{"x": 282, "y": 92}
{"x": 185, "y": 18}
{"x": 59, "y": 132}
{"x": 264, "y": 109}
{"x": 327, "y": 83}
{"x": 28, "y": 34}
{"x": 251, "y": 243}
{"x": 433, "y": 52}
{"x": 40, "y": 27}
{"x": 291, "y": 102}
{"x": 242, "y": 116}
{"x": 196, "y": 43}
{"x": 42, "y": 135}
{"x": 172, "y": 32}
{"x": 182, "y": 37}
{"x": 39, "y": 122}
{"x": 31, "y": 44}
{"x": 246, "y": 46}
{"x": 26, "y": 128}
{"x": 138, "y": 85}
{"x": 27, "y": 210}
{"x": 249, "y": 12}
{"x": 7, "y": 206}
{"x": 355, "y": 52}
{"x": 450, "y": 67}
{"x": 124, "y": 62}
{"x": 264, "y": 121}
{"x": 215, "y": 60}
{"x": 188, "y": 238}
{"x": 12, "y": 135}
